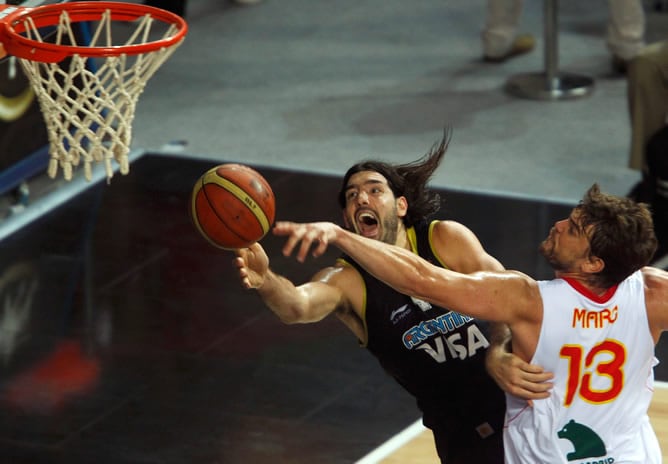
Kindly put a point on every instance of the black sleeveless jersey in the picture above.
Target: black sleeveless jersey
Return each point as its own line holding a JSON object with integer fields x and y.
{"x": 435, "y": 354}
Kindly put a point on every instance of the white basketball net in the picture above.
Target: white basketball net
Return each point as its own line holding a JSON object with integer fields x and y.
{"x": 89, "y": 105}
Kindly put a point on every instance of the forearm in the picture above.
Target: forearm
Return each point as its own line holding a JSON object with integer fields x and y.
{"x": 484, "y": 295}
{"x": 306, "y": 303}
{"x": 500, "y": 343}
{"x": 283, "y": 298}
{"x": 500, "y": 335}
{"x": 510, "y": 372}
{"x": 391, "y": 264}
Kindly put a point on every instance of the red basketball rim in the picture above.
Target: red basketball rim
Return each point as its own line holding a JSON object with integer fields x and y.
{"x": 12, "y": 26}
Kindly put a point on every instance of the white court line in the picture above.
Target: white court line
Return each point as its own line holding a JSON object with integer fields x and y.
{"x": 394, "y": 443}
{"x": 412, "y": 431}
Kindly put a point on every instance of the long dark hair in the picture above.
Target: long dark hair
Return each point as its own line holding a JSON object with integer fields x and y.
{"x": 408, "y": 180}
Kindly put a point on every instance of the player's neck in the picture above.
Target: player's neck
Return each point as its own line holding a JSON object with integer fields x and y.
{"x": 582, "y": 279}
{"x": 402, "y": 239}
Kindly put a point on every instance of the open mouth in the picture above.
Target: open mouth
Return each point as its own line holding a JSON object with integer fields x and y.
{"x": 367, "y": 224}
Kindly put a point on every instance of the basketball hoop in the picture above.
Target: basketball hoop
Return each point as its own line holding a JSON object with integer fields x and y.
{"x": 89, "y": 102}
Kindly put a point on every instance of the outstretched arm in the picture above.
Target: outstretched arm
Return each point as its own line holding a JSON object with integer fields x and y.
{"x": 494, "y": 296}
{"x": 309, "y": 302}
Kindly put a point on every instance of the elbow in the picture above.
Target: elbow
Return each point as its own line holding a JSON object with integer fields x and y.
{"x": 299, "y": 311}
{"x": 292, "y": 315}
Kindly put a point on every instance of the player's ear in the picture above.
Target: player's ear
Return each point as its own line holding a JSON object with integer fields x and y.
{"x": 402, "y": 206}
{"x": 593, "y": 264}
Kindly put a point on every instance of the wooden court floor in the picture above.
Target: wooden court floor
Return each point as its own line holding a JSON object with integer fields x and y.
{"x": 420, "y": 448}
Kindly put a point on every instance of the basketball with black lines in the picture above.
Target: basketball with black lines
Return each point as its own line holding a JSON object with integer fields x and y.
{"x": 232, "y": 206}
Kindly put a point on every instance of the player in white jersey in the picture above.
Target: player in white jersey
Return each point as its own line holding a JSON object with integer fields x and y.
{"x": 594, "y": 326}
{"x": 602, "y": 353}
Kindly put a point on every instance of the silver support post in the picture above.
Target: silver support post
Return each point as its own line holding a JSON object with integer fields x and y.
{"x": 550, "y": 84}
{"x": 551, "y": 57}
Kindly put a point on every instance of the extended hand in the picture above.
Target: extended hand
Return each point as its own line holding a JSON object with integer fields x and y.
{"x": 313, "y": 234}
{"x": 252, "y": 264}
{"x": 519, "y": 378}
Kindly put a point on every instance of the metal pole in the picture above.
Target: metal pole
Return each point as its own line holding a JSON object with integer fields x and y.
{"x": 550, "y": 84}
{"x": 551, "y": 48}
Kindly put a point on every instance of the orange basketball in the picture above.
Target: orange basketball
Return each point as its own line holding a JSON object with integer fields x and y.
{"x": 232, "y": 206}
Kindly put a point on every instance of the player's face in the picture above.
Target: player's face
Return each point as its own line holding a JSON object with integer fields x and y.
{"x": 371, "y": 208}
{"x": 567, "y": 245}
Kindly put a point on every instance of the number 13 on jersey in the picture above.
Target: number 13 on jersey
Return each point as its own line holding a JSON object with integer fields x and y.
{"x": 605, "y": 359}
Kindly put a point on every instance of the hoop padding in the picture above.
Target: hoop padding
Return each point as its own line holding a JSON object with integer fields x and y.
{"x": 88, "y": 101}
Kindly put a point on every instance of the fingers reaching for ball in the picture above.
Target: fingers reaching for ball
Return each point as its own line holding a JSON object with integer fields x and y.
{"x": 314, "y": 237}
{"x": 252, "y": 265}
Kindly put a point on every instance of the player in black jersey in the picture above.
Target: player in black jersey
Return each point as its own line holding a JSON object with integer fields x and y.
{"x": 435, "y": 354}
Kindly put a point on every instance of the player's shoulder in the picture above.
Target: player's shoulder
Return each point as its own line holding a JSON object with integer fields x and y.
{"x": 519, "y": 277}
{"x": 448, "y": 226}
{"x": 655, "y": 279}
{"x": 656, "y": 299}
{"x": 459, "y": 249}
{"x": 654, "y": 272}
{"x": 520, "y": 284}
{"x": 448, "y": 232}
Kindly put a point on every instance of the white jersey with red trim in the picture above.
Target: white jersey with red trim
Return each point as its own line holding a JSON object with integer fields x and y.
{"x": 602, "y": 354}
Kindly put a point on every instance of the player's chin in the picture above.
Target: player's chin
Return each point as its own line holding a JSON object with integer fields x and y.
{"x": 546, "y": 247}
